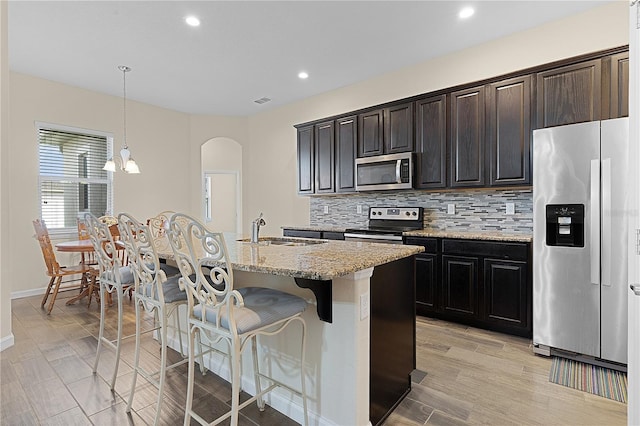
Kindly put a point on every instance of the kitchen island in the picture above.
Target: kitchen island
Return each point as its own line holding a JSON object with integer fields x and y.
{"x": 360, "y": 333}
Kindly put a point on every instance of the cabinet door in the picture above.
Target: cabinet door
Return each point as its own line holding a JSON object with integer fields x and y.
{"x": 346, "y": 140}
{"x": 306, "y": 175}
{"x": 324, "y": 157}
{"x": 467, "y": 137}
{"x": 370, "y": 133}
{"x": 619, "y": 98}
{"x": 427, "y": 294}
{"x": 459, "y": 285}
{"x": 431, "y": 142}
{"x": 398, "y": 128}
{"x": 569, "y": 94}
{"x": 506, "y": 292}
{"x": 509, "y": 131}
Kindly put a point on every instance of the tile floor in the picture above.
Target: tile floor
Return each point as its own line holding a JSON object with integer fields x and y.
{"x": 464, "y": 376}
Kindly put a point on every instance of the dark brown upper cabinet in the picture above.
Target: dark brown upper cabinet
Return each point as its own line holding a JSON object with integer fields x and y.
{"x": 386, "y": 130}
{"x": 569, "y": 94}
{"x": 619, "y": 85}
{"x": 467, "y": 166}
{"x": 346, "y": 141}
{"x": 431, "y": 142}
{"x": 509, "y": 131}
{"x": 398, "y": 128}
{"x": 324, "y": 157}
{"x": 370, "y": 125}
{"x": 306, "y": 178}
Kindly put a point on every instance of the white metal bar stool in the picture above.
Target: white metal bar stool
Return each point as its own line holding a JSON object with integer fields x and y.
{"x": 114, "y": 277}
{"x": 238, "y": 316}
{"x": 154, "y": 293}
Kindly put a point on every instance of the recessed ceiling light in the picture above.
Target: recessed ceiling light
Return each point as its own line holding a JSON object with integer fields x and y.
{"x": 466, "y": 12}
{"x": 302, "y": 75}
{"x": 192, "y": 21}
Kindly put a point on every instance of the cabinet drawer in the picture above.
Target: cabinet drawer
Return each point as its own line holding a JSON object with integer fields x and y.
{"x": 499, "y": 250}
{"x": 301, "y": 233}
{"x": 430, "y": 244}
{"x": 330, "y": 235}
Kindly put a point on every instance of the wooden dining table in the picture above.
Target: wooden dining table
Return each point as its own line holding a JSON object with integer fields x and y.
{"x": 83, "y": 247}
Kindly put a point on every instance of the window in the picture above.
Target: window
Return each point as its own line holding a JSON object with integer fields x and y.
{"x": 72, "y": 181}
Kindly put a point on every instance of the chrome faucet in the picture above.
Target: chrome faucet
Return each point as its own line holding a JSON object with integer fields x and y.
{"x": 255, "y": 228}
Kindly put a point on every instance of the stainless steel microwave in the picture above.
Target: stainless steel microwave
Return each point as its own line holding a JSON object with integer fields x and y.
{"x": 384, "y": 172}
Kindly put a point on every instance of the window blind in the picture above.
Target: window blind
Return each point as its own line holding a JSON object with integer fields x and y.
{"x": 72, "y": 181}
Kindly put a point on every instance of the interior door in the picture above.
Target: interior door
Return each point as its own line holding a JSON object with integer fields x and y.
{"x": 221, "y": 194}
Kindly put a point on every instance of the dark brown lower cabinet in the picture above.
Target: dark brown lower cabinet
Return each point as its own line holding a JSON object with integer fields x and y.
{"x": 427, "y": 292}
{"x": 460, "y": 285}
{"x": 505, "y": 286}
{"x": 486, "y": 284}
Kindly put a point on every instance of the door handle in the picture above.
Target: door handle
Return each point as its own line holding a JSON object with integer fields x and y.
{"x": 595, "y": 221}
{"x": 635, "y": 288}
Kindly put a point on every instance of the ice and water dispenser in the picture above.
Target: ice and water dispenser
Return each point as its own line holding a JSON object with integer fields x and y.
{"x": 565, "y": 225}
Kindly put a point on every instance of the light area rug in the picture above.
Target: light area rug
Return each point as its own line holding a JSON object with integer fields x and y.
{"x": 597, "y": 380}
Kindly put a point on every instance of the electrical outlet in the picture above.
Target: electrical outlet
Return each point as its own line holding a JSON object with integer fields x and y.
{"x": 326, "y": 209}
{"x": 364, "y": 306}
{"x": 510, "y": 208}
{"x": 451, "y": 209}
{"x": 359, "y": 209}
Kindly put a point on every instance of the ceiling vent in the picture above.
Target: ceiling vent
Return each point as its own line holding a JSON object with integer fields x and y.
{"x": 262, "y": 100}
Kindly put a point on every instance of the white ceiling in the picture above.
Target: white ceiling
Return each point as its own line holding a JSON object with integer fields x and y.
{"x": 246, "y": 50}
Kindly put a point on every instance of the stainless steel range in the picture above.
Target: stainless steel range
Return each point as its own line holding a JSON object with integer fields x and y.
{"x": 386, "y": 225}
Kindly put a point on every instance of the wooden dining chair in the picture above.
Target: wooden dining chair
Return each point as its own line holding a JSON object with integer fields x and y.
{"x": 57, "y": 272}
{"x": 114, "y": 278}
{"x": 219, "y": 312}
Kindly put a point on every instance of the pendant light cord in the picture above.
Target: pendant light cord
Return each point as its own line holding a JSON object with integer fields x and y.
{"x": 125, "y": 69}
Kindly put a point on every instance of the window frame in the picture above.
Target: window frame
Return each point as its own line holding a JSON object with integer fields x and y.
{"x": 39, "y": 125}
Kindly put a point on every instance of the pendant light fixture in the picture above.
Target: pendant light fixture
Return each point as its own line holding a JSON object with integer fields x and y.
{"x": 127, "y": 163}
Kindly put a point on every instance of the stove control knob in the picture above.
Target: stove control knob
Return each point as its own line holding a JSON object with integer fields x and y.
{"x": 408, "y": 214}
{"x": 373, "y": 213}
{"x": 414, "y": 214}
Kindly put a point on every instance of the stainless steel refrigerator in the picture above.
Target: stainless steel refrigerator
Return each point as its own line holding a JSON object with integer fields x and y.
{"x": 580, "y": 239}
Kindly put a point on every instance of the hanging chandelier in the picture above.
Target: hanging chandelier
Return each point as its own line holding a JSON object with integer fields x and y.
{"x": 127, "y": 163}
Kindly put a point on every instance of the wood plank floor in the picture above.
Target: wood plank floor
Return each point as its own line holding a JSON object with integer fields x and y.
{"x": 464, "y": 376}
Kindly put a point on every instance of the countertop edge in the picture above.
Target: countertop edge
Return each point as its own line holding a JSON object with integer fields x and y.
{"x": 438, "y": 233}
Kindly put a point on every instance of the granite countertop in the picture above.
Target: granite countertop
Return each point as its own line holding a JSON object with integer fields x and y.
{"x": 324, "y": 260}
{"x": 471, "y": 235}
{"x": 439, "y": 233}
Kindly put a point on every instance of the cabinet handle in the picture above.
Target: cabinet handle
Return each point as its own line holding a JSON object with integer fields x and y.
{"x": 635, "y": 288}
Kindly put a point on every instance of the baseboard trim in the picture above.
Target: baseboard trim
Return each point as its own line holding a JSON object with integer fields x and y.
{"x": 6, "y": 342}
{"x": 27, "y": 293}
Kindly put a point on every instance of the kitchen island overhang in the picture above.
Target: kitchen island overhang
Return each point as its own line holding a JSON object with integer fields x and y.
{"x": 371, "y": 295}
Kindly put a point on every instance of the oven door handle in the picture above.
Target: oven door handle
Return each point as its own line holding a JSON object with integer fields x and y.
{"x": 379, "y": 237}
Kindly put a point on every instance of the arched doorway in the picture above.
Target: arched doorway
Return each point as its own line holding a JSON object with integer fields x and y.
{"x": 221, "y": 167}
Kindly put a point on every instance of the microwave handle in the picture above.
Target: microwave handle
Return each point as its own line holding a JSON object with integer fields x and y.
{"x": 398, "y": 177}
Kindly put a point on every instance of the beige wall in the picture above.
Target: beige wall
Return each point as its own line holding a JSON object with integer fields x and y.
{"x": 167, "y": 144}
{"x": 270, "y": 178}
{"x": 158, "y": 138}
{"x": 6, "y": 338}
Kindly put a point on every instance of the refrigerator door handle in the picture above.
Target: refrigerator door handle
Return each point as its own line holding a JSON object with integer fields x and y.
{"x": 595, "y": 221}
{"x": 606, "y": 222}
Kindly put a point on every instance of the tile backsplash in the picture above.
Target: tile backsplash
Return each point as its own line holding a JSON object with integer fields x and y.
{"x": 475, "y": 209}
